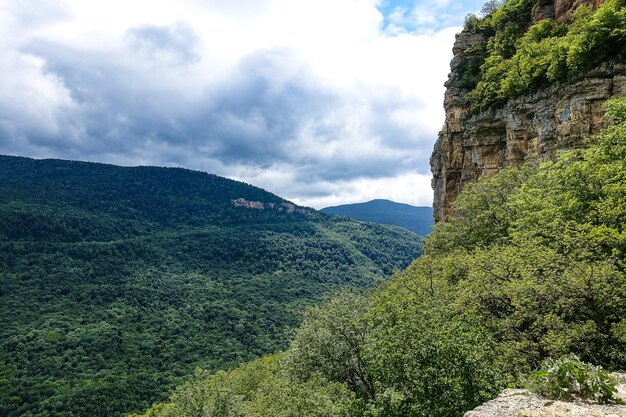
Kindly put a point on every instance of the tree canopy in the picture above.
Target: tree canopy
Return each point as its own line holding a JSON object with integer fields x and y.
{"x": 530, "y": 268}
{"x": 115, "y": 283}
{"x": 515, "y": 58}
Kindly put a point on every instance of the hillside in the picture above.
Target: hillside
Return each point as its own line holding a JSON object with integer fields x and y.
{"x": 523, "y": 280}
{"x": 115, "y": 282}
{"x": 416, "y": 219}
{"x": 525, "y": 286}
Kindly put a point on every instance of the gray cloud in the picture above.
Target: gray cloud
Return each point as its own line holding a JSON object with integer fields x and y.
{"x": 174, "y": 44}
{"x": 271, "y": 114}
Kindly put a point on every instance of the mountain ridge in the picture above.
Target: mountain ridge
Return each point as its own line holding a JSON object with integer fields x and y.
{"x": 119, "y": 281}
{"x": 418, "y": 219}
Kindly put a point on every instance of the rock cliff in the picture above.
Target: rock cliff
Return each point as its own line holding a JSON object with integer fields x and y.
{"x": 532, "y": 127}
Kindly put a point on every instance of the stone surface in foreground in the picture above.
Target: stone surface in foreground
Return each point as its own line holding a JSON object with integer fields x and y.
{"x": 522, "y": 403}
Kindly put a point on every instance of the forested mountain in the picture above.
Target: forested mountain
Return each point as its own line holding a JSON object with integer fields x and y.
{"x": 523, "y": 280}
{"x": 417, "y": 219}
{"x": 115, "y": 282}
{"x": 529, "y": 273}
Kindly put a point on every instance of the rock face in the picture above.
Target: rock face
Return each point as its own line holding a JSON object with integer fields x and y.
{"x": 521, "y": 403}
{"x": 563, "y": 9}
{"x": 258, "y": 205}
{"x": 531, "y": 127}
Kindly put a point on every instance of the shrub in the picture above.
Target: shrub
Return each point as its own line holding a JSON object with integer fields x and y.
{"x": 520, "y": 60}
{"x": 568, "y": 378}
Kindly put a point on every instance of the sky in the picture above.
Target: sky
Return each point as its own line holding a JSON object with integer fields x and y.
{"x": 322, "y": 102}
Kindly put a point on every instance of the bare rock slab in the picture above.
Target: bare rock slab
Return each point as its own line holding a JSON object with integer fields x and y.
{"x": 522, "y": 403}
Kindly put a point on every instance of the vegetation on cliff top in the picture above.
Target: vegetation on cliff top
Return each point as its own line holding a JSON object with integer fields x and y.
{"x": 115, "y": 283}
{"x": 532, "y": 267}
{"x": 514, "y": 59}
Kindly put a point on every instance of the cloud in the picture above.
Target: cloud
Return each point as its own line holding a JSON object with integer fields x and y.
{"x": 425, "y": 16}
{"x": 34, "y": 104}
{"x": 37, "y": 13}
{"x": 313, "y": 100}
{"x": 173, "y": 44}
{"x": 410, "y": 188}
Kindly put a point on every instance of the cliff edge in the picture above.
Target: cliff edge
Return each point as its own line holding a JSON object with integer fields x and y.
{"x": 532, "y": 126}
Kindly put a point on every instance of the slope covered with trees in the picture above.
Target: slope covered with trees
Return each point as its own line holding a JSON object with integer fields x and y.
{"x": 417, "y": 219}
{"x": 531, "y": 267}
{"x": 514, "y": 59}
{"x": 116, "y": 283}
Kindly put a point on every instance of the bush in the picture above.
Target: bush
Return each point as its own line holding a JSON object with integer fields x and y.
{"x": 520, "y": 60}
{"x": 568, "y": 378}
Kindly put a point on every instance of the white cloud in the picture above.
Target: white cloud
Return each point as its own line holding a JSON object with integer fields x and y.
{"x": 310, "y": 99}
{"x": 409, "y": 188}
{"x": 33, "y": 102}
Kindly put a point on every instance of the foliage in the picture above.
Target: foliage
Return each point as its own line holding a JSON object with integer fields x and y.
{"x": 424, "y": 360}
{"x": 115, "y": 283}
{"x": 331, "y": 341}
{"x": 518, "y": 59}
{"x": 483, "y": 215}
{"x": 351, "y": 358}
{"x": 568, "y": 378}
{"x": 491, "y": 6}
{"x": 531, "y": 267}
{"x": 399, "y": 355}
{"x": 257, "y": 389}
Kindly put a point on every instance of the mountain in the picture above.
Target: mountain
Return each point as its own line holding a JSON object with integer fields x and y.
{"x": 416, "y": 219}
{"x": 525, "y": 289}
{"x": 117, "y": 282}
{"x": 523, "y": 283}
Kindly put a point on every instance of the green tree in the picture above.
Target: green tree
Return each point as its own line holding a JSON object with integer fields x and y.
{"x": 330, "y": 342}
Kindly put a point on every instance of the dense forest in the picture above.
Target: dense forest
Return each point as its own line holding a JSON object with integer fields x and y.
{"x": 532, "y": 267}
{"x": 116, "y": 283}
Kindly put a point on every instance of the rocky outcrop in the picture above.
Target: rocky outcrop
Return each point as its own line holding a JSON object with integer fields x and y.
{"x": 559, "y": 10}
{"x": 531, "y": 127}
{"x": 522, "y": 403}
{"x": 285, "y": 206}
{"x": 563, "y": 9}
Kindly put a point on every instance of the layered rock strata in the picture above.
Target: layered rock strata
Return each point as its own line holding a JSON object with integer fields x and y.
{"x": 532, "y": 127}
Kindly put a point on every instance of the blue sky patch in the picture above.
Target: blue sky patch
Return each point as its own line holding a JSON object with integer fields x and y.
{"x": 425, "y": 15}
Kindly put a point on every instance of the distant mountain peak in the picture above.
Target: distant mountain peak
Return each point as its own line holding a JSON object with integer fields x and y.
{"x": 416, "y": 219}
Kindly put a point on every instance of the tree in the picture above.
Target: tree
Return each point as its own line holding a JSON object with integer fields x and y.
{"x": 490, "y": 7}
{"x": 330, "y": 342}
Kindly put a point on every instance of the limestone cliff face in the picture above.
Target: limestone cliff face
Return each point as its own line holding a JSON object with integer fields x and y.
{"x": 531, "y": 127}
{"x": 559, "y": 10}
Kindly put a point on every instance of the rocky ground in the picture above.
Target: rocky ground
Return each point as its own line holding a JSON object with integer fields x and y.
{"x": 522, "y": 403}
